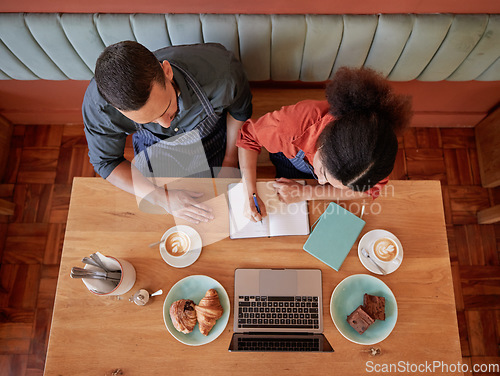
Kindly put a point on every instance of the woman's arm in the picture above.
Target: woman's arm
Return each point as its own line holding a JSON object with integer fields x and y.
{"x": 290, "y": 191}
{"x": 248, "y": 165}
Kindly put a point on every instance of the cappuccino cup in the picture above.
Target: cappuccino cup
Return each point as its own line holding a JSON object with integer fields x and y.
{"x": 384, "y": 250}
{"x": 178, "y": 243}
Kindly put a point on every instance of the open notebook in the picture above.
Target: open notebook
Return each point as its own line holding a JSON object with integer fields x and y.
{"x": 282, "y": 219}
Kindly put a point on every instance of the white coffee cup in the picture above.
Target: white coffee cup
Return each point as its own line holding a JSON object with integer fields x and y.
{"x": 384, "y": 250}
{"x": 177, "y": 243}
{"x": 105, "y": 287}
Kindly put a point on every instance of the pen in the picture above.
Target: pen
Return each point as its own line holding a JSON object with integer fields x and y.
{"x": 257, "y": 205}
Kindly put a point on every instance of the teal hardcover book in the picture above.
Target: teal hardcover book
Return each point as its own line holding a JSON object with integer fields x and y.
{"x": 335, "y": 233}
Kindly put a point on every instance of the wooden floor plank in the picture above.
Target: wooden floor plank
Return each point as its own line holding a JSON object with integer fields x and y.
{"x": 39, "y": 340}
{"x": 426, "y": 164}
{"x": 43, "y": 136}
{"x": 60, "y": 203}
{"x": 13, "y": 365}
{"x": 428, "y": 138}
{"x": 15, "y": 338}
{"x": 54, "y": 244}
{"x": 47, "y": 287}
{"x": 455, "y": 138}
{"x": 38, "y": 165}
{"x": 462, "y": 331}
{"x": 474, "y": 164}
{"x": 482, "y": 333}
{"x": 458, "y": 167}
{"x": 25, "y": 243}
{"x": 19, "y": 285}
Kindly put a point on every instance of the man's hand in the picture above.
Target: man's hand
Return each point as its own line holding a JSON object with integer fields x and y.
{"x": 290, "y": 191}
{"x": 183, "y": 204}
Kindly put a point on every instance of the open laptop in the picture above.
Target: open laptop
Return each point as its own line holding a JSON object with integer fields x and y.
{"x": 278, "y": 310}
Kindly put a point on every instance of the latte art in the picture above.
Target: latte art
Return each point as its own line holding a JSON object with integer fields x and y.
{"x": 385, "y": 249}
{"x": 177, "y": 243}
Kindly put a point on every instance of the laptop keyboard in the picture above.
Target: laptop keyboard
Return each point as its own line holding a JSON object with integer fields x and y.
{"x": 282, "y": 312}
{"x": 278, "y": 344}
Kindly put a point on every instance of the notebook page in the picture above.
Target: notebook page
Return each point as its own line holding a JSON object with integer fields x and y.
{"x": 239, "y": 225}
{"x": 284, "y": 219}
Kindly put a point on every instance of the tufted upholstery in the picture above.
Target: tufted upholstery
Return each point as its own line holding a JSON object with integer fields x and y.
{"x": 310, "y": 48}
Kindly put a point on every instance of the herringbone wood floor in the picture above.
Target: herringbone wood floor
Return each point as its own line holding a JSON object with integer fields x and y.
{"x": 44, "y": 159}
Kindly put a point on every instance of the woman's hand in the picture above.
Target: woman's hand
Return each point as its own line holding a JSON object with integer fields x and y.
{"x": 290, "y": 191}
{"x": 251, "y": 210}
{"x": 183, "y": 204}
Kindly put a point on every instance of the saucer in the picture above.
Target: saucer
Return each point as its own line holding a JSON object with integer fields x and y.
{"x": 194, "y": 287}
{"x": 369, "y": 238}
{"x": 348, "y": 295}
{"x": 190, "y": 257}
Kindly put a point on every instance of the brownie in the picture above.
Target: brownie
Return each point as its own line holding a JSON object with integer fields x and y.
{"x": 374, "y": 306}
{"x": 360, "y": 320}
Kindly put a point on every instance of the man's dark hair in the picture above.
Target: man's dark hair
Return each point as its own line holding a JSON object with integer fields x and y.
{"x": 359, "y": 147}
{"x": 125, "y": 73}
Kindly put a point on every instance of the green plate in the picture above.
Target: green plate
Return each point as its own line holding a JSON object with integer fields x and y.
{"x": 194, "y": 287}
{"x": 348, "y": 295}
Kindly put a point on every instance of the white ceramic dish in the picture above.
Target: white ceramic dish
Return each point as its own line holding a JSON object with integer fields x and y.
{"x": 368, "y": 239}
{"x": 190, "y": 257}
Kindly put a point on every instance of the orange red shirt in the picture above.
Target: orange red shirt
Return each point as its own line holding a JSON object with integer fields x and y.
{"x": 291, "y": 129}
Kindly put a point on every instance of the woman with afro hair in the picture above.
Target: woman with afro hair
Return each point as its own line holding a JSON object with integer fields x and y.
{"x": 348, "y": 143}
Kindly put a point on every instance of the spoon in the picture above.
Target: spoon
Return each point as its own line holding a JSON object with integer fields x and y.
{"x": 97, "y": 260}
{"x": 77, "y": 272}
{"x": 365, "y": 253}
{"x": 153, "y": 244}
{"x": 92, "y": 276}
{"x": 159, "y": 292}
{"x": 89, "y": 261}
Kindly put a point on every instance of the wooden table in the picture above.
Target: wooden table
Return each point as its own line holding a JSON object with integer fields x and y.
{"x": 93, "y": 335}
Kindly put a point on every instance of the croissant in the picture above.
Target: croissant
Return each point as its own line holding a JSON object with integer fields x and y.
{"x": 208, "y": 311}
{"x": 183, "y": 315}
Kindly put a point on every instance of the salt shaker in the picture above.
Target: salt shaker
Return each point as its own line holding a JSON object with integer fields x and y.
{"x": 140, "y": 298}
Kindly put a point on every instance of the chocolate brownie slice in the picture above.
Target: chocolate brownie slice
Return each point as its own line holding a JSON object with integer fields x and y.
{"x": 360, "y": 320}
{"x": 374, "y": 306}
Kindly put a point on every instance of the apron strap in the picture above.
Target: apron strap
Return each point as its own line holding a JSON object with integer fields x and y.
{"x": 202, "y": 97}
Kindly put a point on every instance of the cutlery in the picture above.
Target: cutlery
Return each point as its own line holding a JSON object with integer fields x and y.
{"x": 153, "y": 244}
{"x": 159, "y": 292}
{"x": 89, "y": 261}
{"x": 77, "y": 272}
{"x": 362, "y": 210}
{"x": 97, "y": 260}
{"x": 92, "y": 276}
{"x": 365, "y": 253}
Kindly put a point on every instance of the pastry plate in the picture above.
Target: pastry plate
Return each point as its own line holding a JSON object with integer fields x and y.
{"x": 194, "y": 287}
{"x": 190, "y": 257}
{"x": 368, "y": 239}
{"x": 348, "y": 295}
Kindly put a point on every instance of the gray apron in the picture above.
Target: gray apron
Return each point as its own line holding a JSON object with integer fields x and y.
{"x": 192, "y": 153}
{"x": 292, "y": 168}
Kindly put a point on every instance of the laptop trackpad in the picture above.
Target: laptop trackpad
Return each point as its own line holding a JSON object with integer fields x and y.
{"x": 278, "y": 282}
